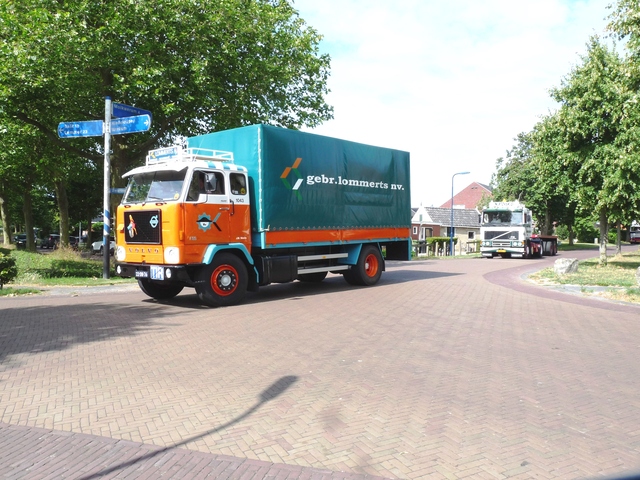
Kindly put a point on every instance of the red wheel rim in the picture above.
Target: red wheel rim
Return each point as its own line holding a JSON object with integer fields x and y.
{"x": 224, "y": 280}
{"x": 371, "y": 265}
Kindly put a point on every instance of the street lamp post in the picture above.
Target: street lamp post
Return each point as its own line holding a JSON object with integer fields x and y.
{"x": 451, "y": 229}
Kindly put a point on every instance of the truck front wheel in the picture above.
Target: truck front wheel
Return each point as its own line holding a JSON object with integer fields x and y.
{"x": 223, "y": 282}
{"x": 159, "y": 291}
{"x": 368, "y": 269}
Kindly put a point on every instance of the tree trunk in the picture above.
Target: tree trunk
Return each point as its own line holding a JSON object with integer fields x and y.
{"x": 603, "y": 237}
{"x": 63, "y": 208}
{"x": 28, "y": 219}
{"x": 571, "y": 235}
{"x": 4, "y": 216}
{"x": 547, "y": 223}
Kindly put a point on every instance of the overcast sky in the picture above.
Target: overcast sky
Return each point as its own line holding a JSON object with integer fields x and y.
{"x": 452, "y": 82}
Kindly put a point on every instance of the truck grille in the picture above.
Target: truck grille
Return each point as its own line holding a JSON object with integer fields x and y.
{"x": 143, "y": 227}
{"x": 502, "y": 235}
{"x": 501, "y": 243}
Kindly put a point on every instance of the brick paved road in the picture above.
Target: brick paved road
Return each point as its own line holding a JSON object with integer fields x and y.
{"x": 447, "y": 369}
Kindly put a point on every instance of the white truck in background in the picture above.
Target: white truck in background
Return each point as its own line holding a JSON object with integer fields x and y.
{"x": 507, "y": 230}
{"x": 634, "y": 232}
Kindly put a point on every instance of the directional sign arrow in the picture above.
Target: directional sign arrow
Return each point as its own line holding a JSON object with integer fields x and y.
{"x": 121, "y": 110}
{"x": 89, "y": 128}
{"x": 137, "y": 123}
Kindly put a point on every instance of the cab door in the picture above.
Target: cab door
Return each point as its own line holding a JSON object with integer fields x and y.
{"x": 240, "y": 217}
{"x": 207, "y": 210}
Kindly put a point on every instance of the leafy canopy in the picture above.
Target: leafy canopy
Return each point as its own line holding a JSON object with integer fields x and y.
{"x": 198, "y": 65}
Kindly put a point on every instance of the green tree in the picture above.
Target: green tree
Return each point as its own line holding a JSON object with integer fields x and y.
{"x": 529, "y": 173}
{"x": 514, "y": 177}
{"x": 592, "y": 99}
{"x": 553, "y": 187}
{"x": 19, "y": 148}
{"x": 198, "y": 65}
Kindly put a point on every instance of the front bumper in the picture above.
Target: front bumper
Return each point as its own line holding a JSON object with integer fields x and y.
{"x": 158, "y": 273}
{"x": 493, "y": 251}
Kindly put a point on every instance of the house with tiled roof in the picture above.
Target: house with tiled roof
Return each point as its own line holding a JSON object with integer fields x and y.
{"x": 470, "y": 196}
{"x": 436, "y": 222}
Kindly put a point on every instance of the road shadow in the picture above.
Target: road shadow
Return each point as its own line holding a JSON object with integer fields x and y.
{"x": 298, "y": 290}
{"x": 43, "y": 328}
{"x": 272, "y": 391}
{"x": 335, "y": 283}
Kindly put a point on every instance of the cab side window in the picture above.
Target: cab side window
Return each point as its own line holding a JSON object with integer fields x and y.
{"x": 238, "y": 184}
{"x": 214, "y": 184}
{"x": 209, "y": 183}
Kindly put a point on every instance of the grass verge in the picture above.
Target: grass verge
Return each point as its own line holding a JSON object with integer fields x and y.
{"x": 64, "y": 267}
{"x": 13, "y": 292}
{"x": 619, "y": 275}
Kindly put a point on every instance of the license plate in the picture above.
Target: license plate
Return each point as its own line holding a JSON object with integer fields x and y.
{"x": 502, "y": 251}
{"x": 157, "y": 273}
{"x": 142, "y": 274}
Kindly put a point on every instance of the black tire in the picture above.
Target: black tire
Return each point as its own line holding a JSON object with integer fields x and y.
{"x": 369, "y": 268}
{"x": 316, "y": 277}
{"x": 159, "y": 291}
{"x": 223, "y": 282}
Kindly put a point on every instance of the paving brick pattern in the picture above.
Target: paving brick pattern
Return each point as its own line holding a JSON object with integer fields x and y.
{"x": 446, "y": 369}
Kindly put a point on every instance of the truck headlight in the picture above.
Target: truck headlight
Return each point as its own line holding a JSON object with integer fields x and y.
{"x": 172, "y": 255}
{"x": 121, "y": 253}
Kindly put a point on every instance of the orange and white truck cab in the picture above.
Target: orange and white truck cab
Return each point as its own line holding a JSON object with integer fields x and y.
{"x": 179, "y": 203}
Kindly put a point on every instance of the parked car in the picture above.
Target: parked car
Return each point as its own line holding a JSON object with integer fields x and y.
{"x": 73, "y": 242}
{"x": 20, "y": 240}
{"x": 97, "y": 247}
{"x": 51, "y": 241}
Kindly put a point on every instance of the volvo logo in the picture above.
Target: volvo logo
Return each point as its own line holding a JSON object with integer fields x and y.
{"x": 143, "y": 250}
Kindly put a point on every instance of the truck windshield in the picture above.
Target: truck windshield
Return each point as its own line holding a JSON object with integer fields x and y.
{"x": 163, "y": 185}
{"x": 502, "y": 217}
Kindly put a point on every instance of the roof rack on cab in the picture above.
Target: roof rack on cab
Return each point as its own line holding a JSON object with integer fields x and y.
{"x": 179, "y": 154}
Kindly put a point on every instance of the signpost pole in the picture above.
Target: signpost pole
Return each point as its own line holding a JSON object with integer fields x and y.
{"x": 106, "y": 242}
{"x": 132, "y": 120}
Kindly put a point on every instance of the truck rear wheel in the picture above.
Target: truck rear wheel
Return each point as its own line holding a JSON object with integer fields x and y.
{"x": 159, "y": 291}
{"x": 368, "y": 269}
{"x": 223, "y": 282}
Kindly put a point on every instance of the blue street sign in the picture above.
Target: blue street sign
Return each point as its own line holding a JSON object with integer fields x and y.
{"x": 89, "y": 128}
{"x": 138, "y": 123}
{"x": 120, "y": 110}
